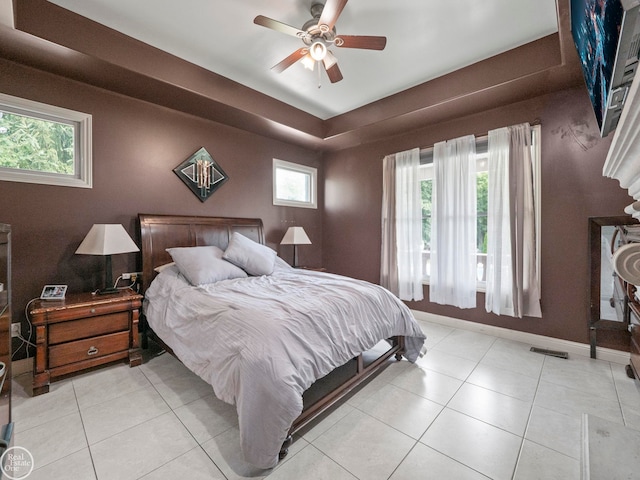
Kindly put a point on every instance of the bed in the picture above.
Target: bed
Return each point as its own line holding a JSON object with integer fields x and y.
{"x": 284, "y": 346}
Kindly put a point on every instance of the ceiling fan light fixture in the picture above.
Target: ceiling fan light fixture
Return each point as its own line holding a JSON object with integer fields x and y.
{"x": 318, "y": 50}
{"x": 308, "y": 62}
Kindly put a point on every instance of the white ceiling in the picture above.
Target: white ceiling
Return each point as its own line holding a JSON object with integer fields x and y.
{"x": 425, "y": 39}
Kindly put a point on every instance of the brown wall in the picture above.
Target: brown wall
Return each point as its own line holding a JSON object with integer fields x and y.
{"x": 573, "y": 189}
{"x": 136, "y": 145}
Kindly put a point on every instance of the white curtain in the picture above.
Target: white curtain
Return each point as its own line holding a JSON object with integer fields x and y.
{"x": 512, "y": 278}
{"x": 388, "y": 254}
{"x": 453, "y": 223}
{"x": 401, "y": 266}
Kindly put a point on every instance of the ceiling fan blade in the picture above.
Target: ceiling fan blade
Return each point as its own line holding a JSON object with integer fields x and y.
{"x": 278, "y": 26}
{"x": 360, "y": 41}
{"x": 330, "y": 13}
{"x": 290, "y": 60}
{"x": 333, "y": 71}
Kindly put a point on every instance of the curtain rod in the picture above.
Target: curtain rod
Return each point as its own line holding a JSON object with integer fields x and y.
{"x": 482, "y": 143}
{"x": 485, "y": 137}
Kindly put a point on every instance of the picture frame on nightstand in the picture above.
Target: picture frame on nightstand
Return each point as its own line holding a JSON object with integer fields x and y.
{"x": 53, "y": 292}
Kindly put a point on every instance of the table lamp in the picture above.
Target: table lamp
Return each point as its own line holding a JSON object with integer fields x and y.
{"x": 107, "y": 240}
{"x": 295, "y": 236}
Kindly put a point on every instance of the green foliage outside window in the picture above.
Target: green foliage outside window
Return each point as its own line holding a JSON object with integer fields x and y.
{"x": 28, "y": 143}
{"x": 426, "y": 186}
{"x": 482, "y": 196}
{"x": 482, "y": 193}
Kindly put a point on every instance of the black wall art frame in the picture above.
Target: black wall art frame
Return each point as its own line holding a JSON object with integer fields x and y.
{"x": 201, "y": 174}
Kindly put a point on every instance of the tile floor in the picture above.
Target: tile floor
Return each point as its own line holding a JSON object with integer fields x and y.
{"x": 475, "y": 407}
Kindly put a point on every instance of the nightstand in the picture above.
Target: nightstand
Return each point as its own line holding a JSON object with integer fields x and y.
{"x": 82, "y": 331}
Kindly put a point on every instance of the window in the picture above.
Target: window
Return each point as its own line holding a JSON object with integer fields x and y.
{"x": 426, "y": 182}
{"x": 41, "y": 143}
{"x": 294, "y": 185}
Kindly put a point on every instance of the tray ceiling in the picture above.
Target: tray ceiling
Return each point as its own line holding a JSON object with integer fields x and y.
{"x": 425, "y": 40}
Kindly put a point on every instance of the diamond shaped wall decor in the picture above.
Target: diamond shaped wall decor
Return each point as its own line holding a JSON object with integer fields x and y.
{"x": 201, "y": 174}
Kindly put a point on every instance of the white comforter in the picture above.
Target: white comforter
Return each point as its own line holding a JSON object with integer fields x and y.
{"x": 261, "y": 341}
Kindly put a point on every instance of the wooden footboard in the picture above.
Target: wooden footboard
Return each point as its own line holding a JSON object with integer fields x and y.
{"x": 363, "y": 372}
{"x": 327, "y": 391}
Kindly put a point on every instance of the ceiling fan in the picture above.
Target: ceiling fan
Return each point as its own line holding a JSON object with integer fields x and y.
{"x": 318, "y": 34}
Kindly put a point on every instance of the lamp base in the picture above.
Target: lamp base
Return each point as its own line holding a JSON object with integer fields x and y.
{"x": 108, "y": 278}
{"x": 107, "y": 291}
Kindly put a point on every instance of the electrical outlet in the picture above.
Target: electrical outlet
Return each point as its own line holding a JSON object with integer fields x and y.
{"x": 133, "y": 276}
{"x": 16, "y": 329}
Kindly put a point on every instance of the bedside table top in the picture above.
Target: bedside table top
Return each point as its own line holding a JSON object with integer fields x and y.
{"x": 76, "y": 300}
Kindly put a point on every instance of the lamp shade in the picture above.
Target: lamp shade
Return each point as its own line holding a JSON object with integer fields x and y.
{"x": 107, "y": 239}
{"x": 295, "y": 236}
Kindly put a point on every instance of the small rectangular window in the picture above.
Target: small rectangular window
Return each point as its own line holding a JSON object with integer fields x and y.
{"x": 294, "y": 185}
{"x": 45, "y": 144}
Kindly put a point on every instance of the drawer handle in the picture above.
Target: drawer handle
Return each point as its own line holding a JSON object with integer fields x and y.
{"x": 93, "y": 310}
{"x": 92, "y": 350}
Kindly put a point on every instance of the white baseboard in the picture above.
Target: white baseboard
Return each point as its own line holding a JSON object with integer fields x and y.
{"x": 18, "y": 367}
{"x": 540, "y": 341}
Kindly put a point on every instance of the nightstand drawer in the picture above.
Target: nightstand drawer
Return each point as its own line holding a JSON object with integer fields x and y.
{"x": 83, "y": 311}
{"x": 71, "y": 352}
{"x": 88, "y": 327}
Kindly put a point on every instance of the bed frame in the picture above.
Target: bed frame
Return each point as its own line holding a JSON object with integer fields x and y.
{"x": 159, "y": 232}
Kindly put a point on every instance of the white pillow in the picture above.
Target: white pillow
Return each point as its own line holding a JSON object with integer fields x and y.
{"x": 160, "y": 268}
{"x": 254, "y": 258}
{"x": 202, "y": 265}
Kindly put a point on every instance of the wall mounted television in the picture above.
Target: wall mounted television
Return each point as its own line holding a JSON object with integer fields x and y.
{"x": 607, "y": 36}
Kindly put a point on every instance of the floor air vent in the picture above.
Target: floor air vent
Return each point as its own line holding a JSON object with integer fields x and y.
{"x": 552, "y": 353}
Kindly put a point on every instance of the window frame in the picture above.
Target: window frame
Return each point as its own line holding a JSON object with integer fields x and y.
{"x": 83, "y": 149}
{"x": 312, "y": 174}
{"x": 426, "y": 157}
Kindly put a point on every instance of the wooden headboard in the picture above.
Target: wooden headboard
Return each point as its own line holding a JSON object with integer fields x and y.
{"x": 159, "y": 232}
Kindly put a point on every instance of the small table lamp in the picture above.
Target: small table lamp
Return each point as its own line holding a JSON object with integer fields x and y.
{"x": 295, "y": 236}
{"x": 107, "y": 240}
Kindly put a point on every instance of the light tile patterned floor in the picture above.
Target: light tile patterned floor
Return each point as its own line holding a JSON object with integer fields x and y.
{"x": 475, "y": 407}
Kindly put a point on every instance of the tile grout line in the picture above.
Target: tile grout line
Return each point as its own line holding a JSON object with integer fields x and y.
{"x": 526, "y": 428}
{"x": 84, "y": 431}
{"x": 615, "y": 386}
{"x": 444, "y": 407}
{"x": 130, "y": 427}
{"x": 172, "y": 410}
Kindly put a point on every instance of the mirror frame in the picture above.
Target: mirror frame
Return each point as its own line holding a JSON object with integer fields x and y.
{"x": 595, "y": 245}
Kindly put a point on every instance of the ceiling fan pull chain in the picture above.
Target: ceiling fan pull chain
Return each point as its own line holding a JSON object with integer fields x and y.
{"x": 319, "y": 74}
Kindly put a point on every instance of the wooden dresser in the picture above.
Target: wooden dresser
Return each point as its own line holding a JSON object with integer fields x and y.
{"x": 82, "y": 331}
